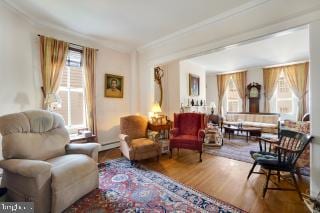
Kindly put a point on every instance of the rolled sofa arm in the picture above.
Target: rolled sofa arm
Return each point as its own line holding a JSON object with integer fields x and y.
{"x": 37, "y": 169}
{"x": 90, "y": 149}
{"x": 201, "y": 134}
{"x": 125, "y": 138}
{"x": 174, "y": 132}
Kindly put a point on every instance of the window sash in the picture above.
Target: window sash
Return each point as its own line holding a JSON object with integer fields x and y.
{"x": 69, "y": 90}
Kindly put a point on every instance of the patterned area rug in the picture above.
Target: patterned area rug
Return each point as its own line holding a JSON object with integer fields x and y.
{"x": 237, "y": 148}
{"x": 127, "y": 188}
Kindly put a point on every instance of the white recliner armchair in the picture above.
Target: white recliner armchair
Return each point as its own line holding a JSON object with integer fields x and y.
{"x": 41, "y": 166}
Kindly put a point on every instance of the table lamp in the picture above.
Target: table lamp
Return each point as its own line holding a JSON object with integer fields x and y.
{"x": 212, "y": 106}
{"x": 156, "y": 109}
{"x": 52, "y": 101}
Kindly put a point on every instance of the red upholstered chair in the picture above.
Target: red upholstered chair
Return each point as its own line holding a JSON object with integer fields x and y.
{"x": 188, "y": 132}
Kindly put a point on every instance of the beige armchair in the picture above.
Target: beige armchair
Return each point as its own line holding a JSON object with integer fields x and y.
{"x": 136, "y": 143}
{"x": 41, "y": 166}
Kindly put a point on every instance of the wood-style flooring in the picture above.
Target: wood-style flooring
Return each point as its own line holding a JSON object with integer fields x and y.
{"x": 224, "y": 179}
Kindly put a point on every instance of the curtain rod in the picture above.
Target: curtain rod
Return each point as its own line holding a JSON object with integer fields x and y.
{"x": 76, "y": 44}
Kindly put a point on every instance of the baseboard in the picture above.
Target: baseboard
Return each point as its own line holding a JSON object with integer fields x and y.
{"x": 111, "y": 145}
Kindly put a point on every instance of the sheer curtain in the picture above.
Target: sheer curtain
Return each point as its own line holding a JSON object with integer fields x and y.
{"x": 89, "y": 56}
{"x": 53, "y": 55}
{"x": 240, "y": 80}
{"x": 270, "y": 77}
{"x": 297, "y": 77}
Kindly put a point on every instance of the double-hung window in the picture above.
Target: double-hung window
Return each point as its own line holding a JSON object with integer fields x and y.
{"x": 71, "y": 91}
{"x": 233, "y": 98}
{"x": 284, "y": 96}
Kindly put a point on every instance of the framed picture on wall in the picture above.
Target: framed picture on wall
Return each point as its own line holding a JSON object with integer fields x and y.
{"x": 194, "y": 85}
{"x": 113, "y": 86}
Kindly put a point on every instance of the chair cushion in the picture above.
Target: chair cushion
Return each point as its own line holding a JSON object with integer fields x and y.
{"x": 34, "y": 135}
{"x": 142, "y": 145}
{"x": 70, "y": 169}
{"x": 186, "y": 142}
{"x": 72, "y": 176}
{"x": 135, "y": 126}
{"x": 189, "y": 123}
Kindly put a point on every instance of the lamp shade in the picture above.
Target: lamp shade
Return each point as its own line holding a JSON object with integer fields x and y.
{"x": 156, "y": 108}
{"x": 212, "y": 105}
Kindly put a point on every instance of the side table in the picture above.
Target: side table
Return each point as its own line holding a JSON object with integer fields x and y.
{"x": 213, "y": 137}
{"x": 165, "y": 130}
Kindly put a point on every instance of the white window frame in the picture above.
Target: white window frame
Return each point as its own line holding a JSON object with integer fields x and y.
{"x": 284, "y": 99}
{"x": 69, "y": 89}
{"x": 232, "y": 100}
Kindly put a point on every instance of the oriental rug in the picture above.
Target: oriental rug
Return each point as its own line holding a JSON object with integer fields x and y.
{"x": 131, "y": 188}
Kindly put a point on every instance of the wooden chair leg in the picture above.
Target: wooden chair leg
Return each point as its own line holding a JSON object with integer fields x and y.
{"x": 296, "y": 185}
{"x": 266, "y": 185}
{"x": 278, "y": 174}
{"x": 170, "y": 153}
{"x": 200, "y": 156}
{"x": 251, "y": 170}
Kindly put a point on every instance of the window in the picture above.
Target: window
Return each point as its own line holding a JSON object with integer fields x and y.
{"x": 233, "y": 98}
{"x": 284, "y": 96}
{"x": 71, "y": 91}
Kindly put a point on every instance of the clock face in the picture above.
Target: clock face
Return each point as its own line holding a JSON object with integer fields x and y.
{"x": 254, "y": 93}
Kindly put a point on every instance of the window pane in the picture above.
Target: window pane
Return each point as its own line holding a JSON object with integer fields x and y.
{"x": 284, "y": 106}
{"x": 76, "y": 79}
{"x": 64, "y": 106}
{"x": 77, "y": 108}
{"x": 233, "y": 106}
{"x": 74, "y": 58}
{"x": 64, "y": 77}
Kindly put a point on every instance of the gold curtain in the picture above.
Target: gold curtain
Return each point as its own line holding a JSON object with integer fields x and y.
{"x": 270, "y": 77}
{"x": 53, "y": 55}
{"x": 222, "y": 81}
{"x": 240, "y": 80}
{"x": 89, "y": 56}
{"x": 297, "y": 77}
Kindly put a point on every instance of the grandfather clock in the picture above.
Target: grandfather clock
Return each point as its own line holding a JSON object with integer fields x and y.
{"x": 254, "y": 90}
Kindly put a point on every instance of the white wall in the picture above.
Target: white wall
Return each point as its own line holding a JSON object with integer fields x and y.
{"x": 19, "y": 67}
{"x": 109, "y": 110}
{"x": 315, "y": 106}
{"x": 187, "y": 68}
{"x": 20, "y": 72}
{"x": 212, "y": 89}
{"x": 173, "y": 88}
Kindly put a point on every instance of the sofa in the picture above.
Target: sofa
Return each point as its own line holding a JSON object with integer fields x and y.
{"x": 136, "y": 142}
{"x": 41, "y": 166}
{"x": 268, "y": 122}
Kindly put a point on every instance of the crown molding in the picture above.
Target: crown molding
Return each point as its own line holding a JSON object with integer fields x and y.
{"x": 43, "y": 25}
{"x": 235, "y": 11}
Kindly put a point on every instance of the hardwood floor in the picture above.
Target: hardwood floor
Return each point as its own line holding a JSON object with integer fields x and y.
{"x": 224, "y": 179}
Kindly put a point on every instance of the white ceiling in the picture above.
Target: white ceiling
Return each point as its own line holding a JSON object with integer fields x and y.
{"x": 132, "y": 22}
{"x": 284, "y": 47}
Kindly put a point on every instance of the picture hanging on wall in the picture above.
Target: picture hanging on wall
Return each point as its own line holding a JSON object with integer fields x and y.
{"x": 194, "y": 85}
{"x": 113, "y": 86}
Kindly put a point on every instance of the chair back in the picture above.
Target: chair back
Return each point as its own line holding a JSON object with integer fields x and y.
{"x": 35, "y": 135}
{"x": 135, "y": 126}
{"x": 292, "y": 144}
{"x": 189, "y": 123}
